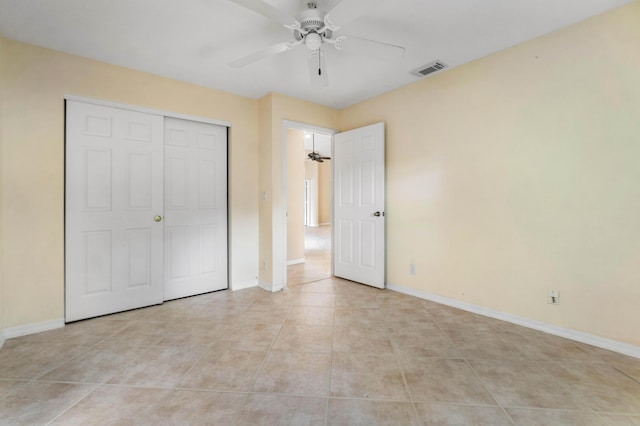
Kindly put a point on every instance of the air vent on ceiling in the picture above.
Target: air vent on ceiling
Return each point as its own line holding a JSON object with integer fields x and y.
{"x": 429, "y": 68}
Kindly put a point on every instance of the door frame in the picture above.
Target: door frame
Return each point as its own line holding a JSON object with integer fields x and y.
{"x": 296, "y": 125}
{"x": 153, "y": 111}
{"x": 358, "y": 211}
{"x": 147, "y": 110}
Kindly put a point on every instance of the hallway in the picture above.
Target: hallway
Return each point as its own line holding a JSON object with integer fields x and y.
{"x": 317, "y": 254}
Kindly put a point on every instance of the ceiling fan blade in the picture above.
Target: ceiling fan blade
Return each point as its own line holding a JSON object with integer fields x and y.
{"x": 318, "y": 69}
{"x": 260, "y": 54}
{"x": 269, "y": 11}
{"x": 347, "y": 11}
{"x": 386, "y": 51}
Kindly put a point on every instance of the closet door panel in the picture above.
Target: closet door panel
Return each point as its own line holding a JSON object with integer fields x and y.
{"x": 113, "y": 190}
{"x": 196, "y": 205}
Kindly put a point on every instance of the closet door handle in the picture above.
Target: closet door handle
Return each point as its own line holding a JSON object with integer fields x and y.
{"x": 157, "y": 218}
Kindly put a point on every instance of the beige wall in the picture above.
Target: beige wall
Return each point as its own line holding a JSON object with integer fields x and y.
{"x": 274, "y": 109}
{"x": 3, "y": 62}
{"x": 265, "y": 192}
{"x": 324, "y": 192}
{"x": 295, "y": 194}
{"x": 519, "y": 173}
{"x": 36, "y": 81}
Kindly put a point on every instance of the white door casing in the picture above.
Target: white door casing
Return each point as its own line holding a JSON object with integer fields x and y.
{"x": 195, "y": 208}
{"x": 359, "y": 201}
{"x": 113, "y": 190}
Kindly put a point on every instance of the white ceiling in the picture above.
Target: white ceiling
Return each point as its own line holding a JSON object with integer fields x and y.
{"x": 194, "y": 40}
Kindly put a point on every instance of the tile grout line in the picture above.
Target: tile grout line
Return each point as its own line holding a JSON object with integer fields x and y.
{"x": 484, "y": 386}
{"x": 188, "y": 370}
{"x": 63, "y": 412}
{"x": 622, "y": 372}
{"x": 412, "y": 401}
{"x": 542, "y": 365}
{"x": 258, "y": 371}
{"x": 268, "y": 351}
{"x": 37, "y": 378}
{"x": 331, "y": 361}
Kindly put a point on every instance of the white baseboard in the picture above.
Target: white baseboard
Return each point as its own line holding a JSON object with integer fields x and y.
{"x": 579, "y": 336}
{"x": 243, "y": 285}
{"x": 295, "y": 261}
{"x": 23, "y": 330}
{"x": 272, "y": 288}
{"x": 1, "y": 338}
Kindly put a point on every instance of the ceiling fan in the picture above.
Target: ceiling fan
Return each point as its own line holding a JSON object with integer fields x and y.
{"x": 314, "y": 28}
{"x": 313, "y": 155}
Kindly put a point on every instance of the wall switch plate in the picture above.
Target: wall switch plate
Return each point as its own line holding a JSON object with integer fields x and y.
{"x": 553, "y": 297}
{"x": 412, "y": 269}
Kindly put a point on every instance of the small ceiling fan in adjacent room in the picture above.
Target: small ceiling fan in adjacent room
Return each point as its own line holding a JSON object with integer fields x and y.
{"x": 316, "y": 156}
{"x": 314, "y": 28}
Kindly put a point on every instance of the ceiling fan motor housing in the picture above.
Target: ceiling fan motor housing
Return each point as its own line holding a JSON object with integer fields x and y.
{"x": 312, "y": 22}
{"x": 315, "y": 27}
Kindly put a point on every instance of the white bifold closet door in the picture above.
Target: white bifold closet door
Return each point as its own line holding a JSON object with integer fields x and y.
{"x": 114, "y": 188}
{"x": 195, "y": 208}
{"x": 145, "y": 209}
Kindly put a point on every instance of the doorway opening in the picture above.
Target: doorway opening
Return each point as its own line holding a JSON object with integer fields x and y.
{"x": 308, "y": 195}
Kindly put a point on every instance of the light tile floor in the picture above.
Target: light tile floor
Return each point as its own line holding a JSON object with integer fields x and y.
{"x": 317, "y": 254}
{"x": 327, "y": 352}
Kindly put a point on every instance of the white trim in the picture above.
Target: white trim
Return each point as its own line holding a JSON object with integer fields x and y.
{"x": 288, "y": 124}
{"x": 271, "y": 288}
{"x": 243, "y": 285}
{"x": 295, "y": 261}
{"x": 579, "y": 336}
{"x": 285, "y": 211}
{"x": 1, "y": 338}
{"x": 147, "y": 110}
{"x": 264, "y": 285}
{"x": 23, "y": 330}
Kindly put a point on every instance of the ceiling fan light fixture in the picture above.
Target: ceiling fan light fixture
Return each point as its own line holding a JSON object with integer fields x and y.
{"x": 314, "y": 27}
{"x": 313, "y": 41}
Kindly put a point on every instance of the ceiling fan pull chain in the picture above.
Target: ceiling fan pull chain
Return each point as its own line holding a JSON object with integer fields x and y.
{"x": 319, "y": 64}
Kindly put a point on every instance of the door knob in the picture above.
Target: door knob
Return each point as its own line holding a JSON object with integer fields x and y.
{"x": 377, "y": 214}
{"x": 157, "y": 218}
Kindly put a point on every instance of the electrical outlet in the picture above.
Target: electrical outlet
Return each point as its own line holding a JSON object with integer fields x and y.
{"x": 553, "y": 297}
{"x": 412, "y": 269}
{"x": 265, "y": 266}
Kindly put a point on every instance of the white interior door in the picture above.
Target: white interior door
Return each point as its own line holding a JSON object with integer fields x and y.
{"x": 195, "y": 208}
{"x": 113, "y": 190}
{"x": 359, "y": 197}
